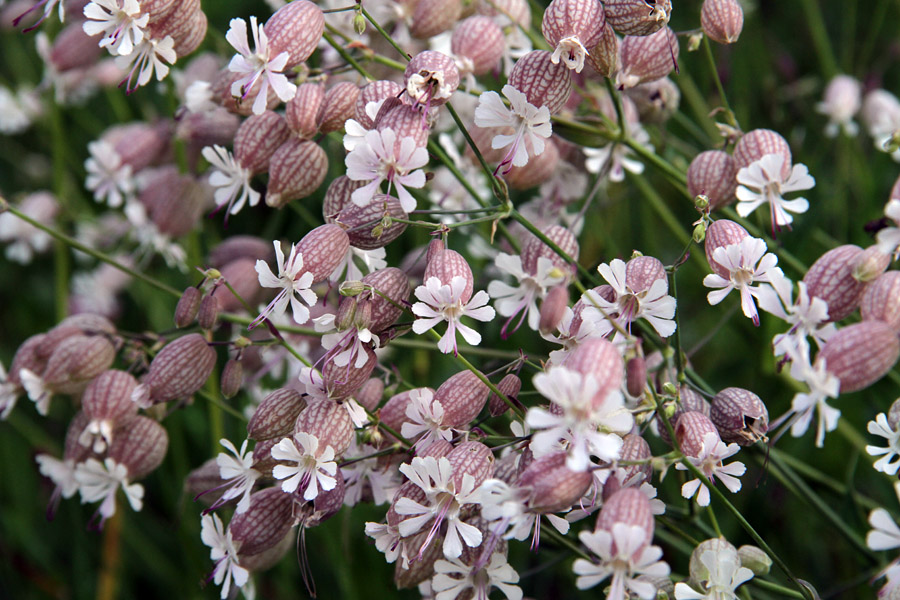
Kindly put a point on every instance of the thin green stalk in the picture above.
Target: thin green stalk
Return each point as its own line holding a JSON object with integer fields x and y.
{"x": 774, "y": 587}
{"x": 707, "y": 50}
{"x": 812, "y": 12}
{"x": 384, "y": 34}
{"x": 72, "y": 242}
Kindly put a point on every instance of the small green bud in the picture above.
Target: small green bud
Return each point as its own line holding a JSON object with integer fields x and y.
{"x": 669, "y": 389}
{"x": 378, "y": 231}
{"x": 755, "y": 559}
{"x": 701, "y": 201}
{"x": 893, "y": 143}
{"x": 694, "y": 41}
{"x": 242, "y": 342}
{"x": 699, "y": 233}
{"x": 352, "y": 288}
{"x": 359, "y": 23}
{"x": 213, "y": 274}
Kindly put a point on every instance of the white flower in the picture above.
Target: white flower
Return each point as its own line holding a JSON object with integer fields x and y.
{"x": 889, "y": 237}
{"x": 885, "y": 535}
{"x": 709, "y": 460}
{"x": 349, "y": 269}
{"x": 747, "y": 263}
{"x": 18, "y": 109}
{"x": 453, "y": 577}
{"x": 150, "y": 239}
{"x": 37, "y": 391}
{"x": 531, "y": 125}
{"x": 100, "y": 481}
{"x": 506, "y": 508}
{"x": 620, "y": 563}
{"x": 110, "y": 180}
{"x": 382, "y": 479}
{"x": 615, "y": 158}
{"x": 60, "y": 472}
{"x": 23, "y": 238}
{"x": 426, "y": 417}
{"x": 149, "y": 58}
{"x": 725, "y": 575}
{"x": 887, "y": 463}
{"x": 572, "y": 52}
{"x": 292, "y": 279}
{"x": 379, "y": 159}
{"x": 387, "y": 540}
{"x": 223, "y": 552}
{"x": 431, "y": 86}
{"x": 843, "y": 99}
{"x": 654, "y": 304}
{"x": 9, "y": 394}
{"x": 762, "y": 182}
{"x": 121, "y": 24}
{"x": 231, "y": 180}
{"x": 444, "y": 303}
{"x": 445, "y": 502}
{"x": 257, "y": 64}
{"x": 807, "y": 317}
{"x": 822, "y": 385}
{"x": 238, "y": 471}
{"x": 313, "y": 468}
{"x": 510, "y": 301}
{"x": 589, "y": 427}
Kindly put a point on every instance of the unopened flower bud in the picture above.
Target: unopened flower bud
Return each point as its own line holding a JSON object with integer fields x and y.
{"x": 180, "y": 369}
{"x": 352, "y": 288}
{"x": 359, "y": 24}
{"x": 188, "y": 306}
{"x": 636, "y": 376}
{"x": 694, "y": 41}
{"x": 267, "y": 520}
{"x": 860, "y": 354}
{"x": 295, "y": 28}
{"x": 722, "y": 20}
{"x": 881, "y": 300}
{"x": 463, "y": 396}
{"x": 296, "y": 170}
{"x": 329, "y": 422}
{"x": 699, "y": 233}
{"x": 647, "y": 58}
{"x": 302, "y": 111}
{"x": 831, "y": 279}
{"x": 554, "y": 486}
{"x": 510, "y": 385}
{"x": 637, "y": 17}
{"x": 870, "y": 264}
{"x": 141, "y": 446}
{"x": 433, "y": 17}
{"x": 390, "y": 290}
{"x": 232, "y": 378}
{"x": 691, "y": 430}
{"x": 338, "y": 106}
{"x": 553, "y": 308}
{"x": 208, "y": 314}
{"x": 478, "y": 39}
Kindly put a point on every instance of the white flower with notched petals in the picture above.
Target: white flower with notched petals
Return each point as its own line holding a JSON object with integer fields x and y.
{"x": 444, "y": 303}
{"x": 426, "y": 418}
{"x": 119, "y": 21}
{"x": 444, "y": 505}
{"x": 725, "y": 575}
{"x": 454, "y": 577}
{"x": 762, "y": 183}
{"x": 100, "y": 481}
{"x": 654, "y": 304}
{"x": 616, "y": 158}
{"x": 231, "y": 180}
{"x": 292, "y": 279}
{"x": 822, "y": 385}
{"x": 378, "y": 159}
{"x": 313, "y": 469}
{"x": 60, "y": 472}
{"x": 257, "y": 65}
{"x": 709, "y": 460}
{"x": 150, "y": 57}
{"x": 889, "y": 237}
{"x": 580, "y": 420}
{"x": 223, "y": 552}
{"x": 237, "y": 470}
{"x": 621, "y": 565}
{"x": 885, "y": 535}
{"x": 890, "y": 457}
{"x": 522, "y": 299}
{"x": 747, "y": 263}
{"x": 531, "y": 125}
{"x": 367, "y": 473}
{"x": 807, "y": 316}
{"x": 110, "y": 180}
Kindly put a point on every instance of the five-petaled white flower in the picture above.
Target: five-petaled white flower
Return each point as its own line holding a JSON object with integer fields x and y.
{"x": 257, "y": 65}
{"x": 444, "y": 505}
{"x": 889, "y": 237}
{"x": 511, "y": 301}
{"x": 654, "y": 304}
{"x": 223, "y": 552}
{"x": 506, "y": 507}
{"x": 580, "y": 419}
{"x": 453, "y": 577}
{"x": 378, "y": 158}
{"x": 890, "y": 457}
{"x": 426, "y": 417}
{"x": 725, "y": 575}
{"x": 313, "y": 468}
{"x": 885, "y": 535}
{"x": 762, "y": 182}
{"x": 709, "y": 460}
{"x": 347, "y": 346}
{"x": 807, "y": 316}
{"x": 110, "y": 180}
{"x": 624, "y": 554}
{"x": 238, "y": 473}
{"x": 444, "y": 303}
{"x": 822, "y": 385}
{"x": 531, "y": 125}
{"x": 100, "y": 481}
{"x": 292, "y": 279}
{"x": 747, "y": 263}
{"x": 231, "y": 180}
{"x": 149, "y": 58}
{"x": 120, "y": 22}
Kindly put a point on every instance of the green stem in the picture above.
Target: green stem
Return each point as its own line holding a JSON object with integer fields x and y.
{"x": 813, "y": 18}
{"x": 384, "y": 34}
{"x": 346, "y": 55}
{"x": 70, "y": 241}
{"x": 707, "y": 49}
